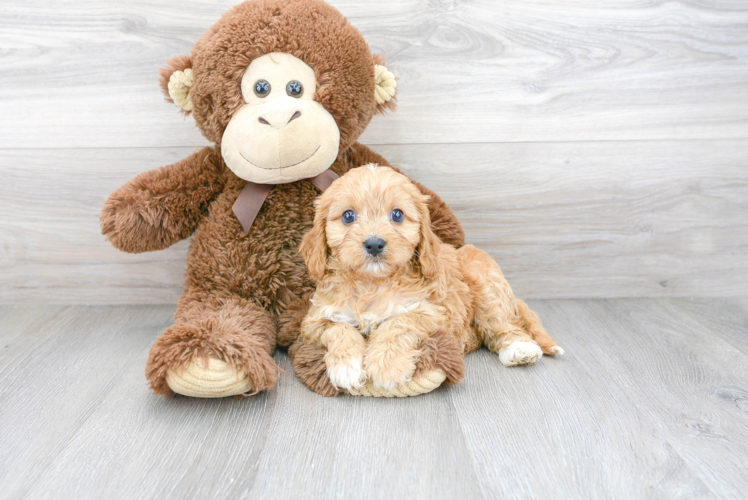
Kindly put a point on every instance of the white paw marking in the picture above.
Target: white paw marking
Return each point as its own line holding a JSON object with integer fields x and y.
{"x": 557, "y": 351}
{"x": 520, "y": 353}
{"x": 347, "y": 374}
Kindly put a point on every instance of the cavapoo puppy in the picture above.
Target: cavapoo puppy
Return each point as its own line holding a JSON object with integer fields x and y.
{"x": 386, "y": 284}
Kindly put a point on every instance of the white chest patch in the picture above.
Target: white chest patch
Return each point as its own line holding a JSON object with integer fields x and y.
{"x": 365, "y": 317}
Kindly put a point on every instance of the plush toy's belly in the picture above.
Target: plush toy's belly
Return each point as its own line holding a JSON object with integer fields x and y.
{"x": 262, "y": 265}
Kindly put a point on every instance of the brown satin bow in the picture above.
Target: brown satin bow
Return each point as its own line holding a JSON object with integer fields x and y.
{"x": 250, "y": 200}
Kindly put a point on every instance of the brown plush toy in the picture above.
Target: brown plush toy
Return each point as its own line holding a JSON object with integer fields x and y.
{"x": 284, "y": 89}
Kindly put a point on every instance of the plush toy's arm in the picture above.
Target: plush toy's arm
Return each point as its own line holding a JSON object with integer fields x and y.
{"x": 162, "y": 206}
{"x": 443, "y": 221}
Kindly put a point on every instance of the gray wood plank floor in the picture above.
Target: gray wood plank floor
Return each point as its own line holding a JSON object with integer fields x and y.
{"x": 650, "y": 401}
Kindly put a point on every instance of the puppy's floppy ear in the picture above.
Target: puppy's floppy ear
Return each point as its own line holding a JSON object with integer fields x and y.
{"x": 385, "y": 86}
{"x": 176, "y": 81}
{"x": 428, "y": 248}
{"x": 314, "y": 244}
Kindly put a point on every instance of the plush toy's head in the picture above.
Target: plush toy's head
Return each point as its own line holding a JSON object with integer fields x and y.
{"x": 283, "y": 86}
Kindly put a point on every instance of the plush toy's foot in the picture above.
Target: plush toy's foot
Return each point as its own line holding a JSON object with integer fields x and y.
{"x": 215, "y": 353}
{"x": 208, "y": 378}
{"x": 441, "y": 362}
{"x": 424, "y": 382}
{"x": 309, "y": 364}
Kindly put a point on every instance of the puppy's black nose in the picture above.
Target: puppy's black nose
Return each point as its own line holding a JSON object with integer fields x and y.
{"x": 374, "y": 245}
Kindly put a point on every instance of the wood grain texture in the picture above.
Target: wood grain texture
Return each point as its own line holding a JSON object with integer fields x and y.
{"x": 676, "y": 370}
{"x": 648, "y": 402}
{"x": 54, "y": 373}
{"x": 83, "y": 73}
{"x": 361, "y": 447}
{"x": 646, "y": 218}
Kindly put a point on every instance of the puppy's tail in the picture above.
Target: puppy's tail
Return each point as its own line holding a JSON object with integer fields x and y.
{"x": 532, "y": 324}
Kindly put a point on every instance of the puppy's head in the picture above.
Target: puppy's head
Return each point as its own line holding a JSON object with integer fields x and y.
{"x": 373, "y": 221}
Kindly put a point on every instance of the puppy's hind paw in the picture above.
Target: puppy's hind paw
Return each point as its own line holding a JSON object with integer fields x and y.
{"x": 346, "y": 374}
{"x": 556, "y": 351}
{"x": 520, "y": 353}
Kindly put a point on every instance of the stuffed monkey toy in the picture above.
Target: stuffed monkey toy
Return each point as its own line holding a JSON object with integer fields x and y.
{"x": 283, "y": 89}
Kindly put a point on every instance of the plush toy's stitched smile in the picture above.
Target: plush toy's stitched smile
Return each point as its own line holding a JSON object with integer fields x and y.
{"x": 285, "y": 166}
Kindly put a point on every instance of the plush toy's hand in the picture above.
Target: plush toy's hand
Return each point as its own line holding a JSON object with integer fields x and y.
{"x": 162, "y": 206}
{"x": 132, "y": 222}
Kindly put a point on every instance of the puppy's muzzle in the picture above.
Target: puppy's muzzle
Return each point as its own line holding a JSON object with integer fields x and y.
{"x": 374, "y": 245}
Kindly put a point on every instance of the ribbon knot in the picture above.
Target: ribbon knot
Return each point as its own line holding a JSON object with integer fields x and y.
{"x": 250, "y": 200}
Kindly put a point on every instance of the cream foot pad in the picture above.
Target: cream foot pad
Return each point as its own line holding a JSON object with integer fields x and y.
{"x": 423, "y": 383}
{"x": 216, "y": 380}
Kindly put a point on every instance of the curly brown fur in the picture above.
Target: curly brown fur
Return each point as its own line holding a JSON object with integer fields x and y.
{"x": 441, "y": 352}
{"x": 236, "y": 332}
{"x": 310, "y": 30}
{"x": 163, "y": 206}
{"x": 260, "y": 269}
{"x": 377, "y": 312}
{"x": 309, "y": 365}
{"x": 289, "y": 323}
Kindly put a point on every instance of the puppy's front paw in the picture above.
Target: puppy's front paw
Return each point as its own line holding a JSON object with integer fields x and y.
{"x": 389, "y": 370}
{"x": 520, "y": 353}
{"x": 345, "y": 373}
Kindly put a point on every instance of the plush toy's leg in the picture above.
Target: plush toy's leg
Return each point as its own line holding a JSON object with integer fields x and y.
{"x": 214, "y": 349}
{"x": 308, "y": 360}
{"x": 309, "y": 364}
{"x": 504, "y": 324}
{"x": 441, "y": 361}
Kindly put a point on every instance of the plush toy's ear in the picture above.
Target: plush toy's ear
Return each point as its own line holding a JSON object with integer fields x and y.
{"x": 177, "y": 80}
{"x": 385, "y": 86}
{"x": 314, "y": 245}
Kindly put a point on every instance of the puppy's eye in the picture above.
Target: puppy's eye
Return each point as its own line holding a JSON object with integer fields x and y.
{"x": 294, "y": 88}
{"x": 349, "y": 217}
{"x": 262, "y": 88}
{"x": 397, "y": 215}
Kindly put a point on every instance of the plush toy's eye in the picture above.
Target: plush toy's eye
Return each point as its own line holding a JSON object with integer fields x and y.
{"x": 262, "y": 88}
{"x": 294, "y": 88}
{"x": 397, "y": 215}
{"x": 349, "y": 216}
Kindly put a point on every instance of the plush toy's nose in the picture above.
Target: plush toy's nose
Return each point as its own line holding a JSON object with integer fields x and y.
{"x": 374, "y": 245}
{"x": 279, "y": 118}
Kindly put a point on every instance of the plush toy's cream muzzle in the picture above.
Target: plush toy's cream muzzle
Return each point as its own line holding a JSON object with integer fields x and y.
{"x": 281, "y": 134}
{"x": 281, "y": 141}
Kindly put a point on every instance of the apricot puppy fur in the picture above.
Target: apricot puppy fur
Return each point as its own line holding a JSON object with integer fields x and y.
{"x": 386, "y": 283}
